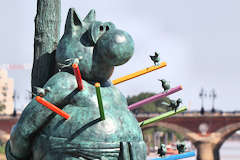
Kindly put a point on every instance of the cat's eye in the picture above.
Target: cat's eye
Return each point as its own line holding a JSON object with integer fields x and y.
{"x": 101, "y": 28}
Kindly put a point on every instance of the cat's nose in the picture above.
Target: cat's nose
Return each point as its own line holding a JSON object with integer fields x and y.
{"x": 116, "y": 46}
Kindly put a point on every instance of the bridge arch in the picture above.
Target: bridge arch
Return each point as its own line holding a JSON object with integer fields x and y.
{"x": 185, "y": 132}
{"x": 226, "y": 132}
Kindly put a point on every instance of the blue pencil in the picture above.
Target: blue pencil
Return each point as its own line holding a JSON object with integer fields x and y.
{"x": 178, "y": 156}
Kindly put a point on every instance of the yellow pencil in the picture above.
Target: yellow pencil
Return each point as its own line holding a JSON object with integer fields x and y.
{"x": 138, "y": 73}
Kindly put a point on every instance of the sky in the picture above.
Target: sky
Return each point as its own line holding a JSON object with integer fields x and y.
{"x": 199, "y": 40}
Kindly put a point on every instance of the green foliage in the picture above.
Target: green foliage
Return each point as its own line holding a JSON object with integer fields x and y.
{"x": 154, "y": 107}
{"x": 150, "y": 131}
{"x": 179, "y": 136}
{"x": 2, "y": 148}
{"x": 2, "y": 106}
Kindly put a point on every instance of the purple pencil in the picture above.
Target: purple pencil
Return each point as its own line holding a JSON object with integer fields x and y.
{"x": 154, "y": 98}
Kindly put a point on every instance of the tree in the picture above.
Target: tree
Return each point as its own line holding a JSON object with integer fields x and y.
{"x": 2, "y": 106}
{"x": 156, "y": 106}
{"x": 47, "y": 33}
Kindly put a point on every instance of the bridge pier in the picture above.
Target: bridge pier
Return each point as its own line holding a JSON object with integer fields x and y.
{"x": 207, "y": 151}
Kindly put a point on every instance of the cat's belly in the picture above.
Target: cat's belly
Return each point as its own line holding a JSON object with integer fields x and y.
{"x": 84, "y": 124}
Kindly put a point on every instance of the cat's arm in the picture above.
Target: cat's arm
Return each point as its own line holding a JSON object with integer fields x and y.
{"x": 35, "y": 116}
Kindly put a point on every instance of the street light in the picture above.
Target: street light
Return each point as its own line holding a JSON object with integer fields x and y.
{"x": 202, "y": 95}
{"x": 15, "y": 97}
{"x": 213, "y": 95}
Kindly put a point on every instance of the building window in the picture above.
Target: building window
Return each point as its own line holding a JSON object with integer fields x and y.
{"x": 4, "y": 88}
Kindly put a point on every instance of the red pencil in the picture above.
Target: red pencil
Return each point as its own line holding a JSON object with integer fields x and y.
{"x": 78, "y": 76}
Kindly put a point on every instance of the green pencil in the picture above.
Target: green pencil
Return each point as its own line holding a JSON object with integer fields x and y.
{"x": 99, "y": 98}
{"x": 162, "y": 116}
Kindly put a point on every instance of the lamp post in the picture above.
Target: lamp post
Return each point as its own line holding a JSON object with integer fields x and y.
{"x": 202, "y": 95}
{"x": 15, "y": 97}
{"x": 213, "y": 95}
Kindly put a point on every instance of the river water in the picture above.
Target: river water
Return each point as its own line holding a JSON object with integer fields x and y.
{"x": 230, "y": 150}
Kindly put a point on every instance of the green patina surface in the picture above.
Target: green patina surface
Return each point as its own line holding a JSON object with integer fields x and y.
{"x": 40, "y": 134}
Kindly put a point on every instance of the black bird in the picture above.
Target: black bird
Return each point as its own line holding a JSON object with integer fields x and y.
{"x": 175, "y": 104}
{"x": 70, "y": 61}
{"x": 155, "y": 59}
{"x": 42, "y": 91}
{"x": 165, "y": 84}
{"x": 181, "y": 147}
{"x": 162, "y": 150}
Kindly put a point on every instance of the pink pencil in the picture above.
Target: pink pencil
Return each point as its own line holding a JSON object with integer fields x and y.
{"x": 154, "y": 98}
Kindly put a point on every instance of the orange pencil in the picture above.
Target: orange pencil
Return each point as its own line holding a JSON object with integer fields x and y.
{"x": 52, "y": 107}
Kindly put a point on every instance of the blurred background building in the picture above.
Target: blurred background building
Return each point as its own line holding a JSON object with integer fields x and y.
{"x": 6, "y": 93}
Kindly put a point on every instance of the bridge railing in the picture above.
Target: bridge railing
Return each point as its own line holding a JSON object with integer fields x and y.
{"x": 189, "y": 113}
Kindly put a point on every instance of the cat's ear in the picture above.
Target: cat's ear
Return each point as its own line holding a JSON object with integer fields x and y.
{"x": 73, "y": 22}
{"x": 91, "y": 16}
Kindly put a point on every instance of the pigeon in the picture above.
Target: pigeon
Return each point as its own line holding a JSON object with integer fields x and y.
{"x": 155, "y": 59}
{"x": 165, "y": 85}
{"x": 175, "y": 104}
{"x": 162, "y": 150}
{"x": 181, "y": 147}
{"x": 42, "y": 91}
{"x": 70, "y": 62}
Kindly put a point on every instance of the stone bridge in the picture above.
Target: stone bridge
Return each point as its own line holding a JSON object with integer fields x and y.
{"x": 6, "y": 123}
{"x": 207, "y": 132}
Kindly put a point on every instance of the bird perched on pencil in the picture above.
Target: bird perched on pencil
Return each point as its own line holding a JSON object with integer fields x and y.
{"x": 69, "y": 62}
{"x": 181, "y": 147}
{"x": 155, "y": 59}
{"x": 162, "y": 150}
{"x": 165, "y": 84}
{"x": 175, "y": 104}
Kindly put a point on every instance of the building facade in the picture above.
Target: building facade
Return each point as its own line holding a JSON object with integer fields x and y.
{"x": 6, "y": 93}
